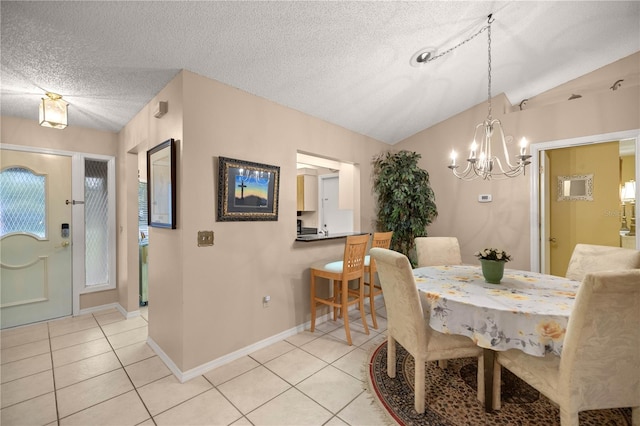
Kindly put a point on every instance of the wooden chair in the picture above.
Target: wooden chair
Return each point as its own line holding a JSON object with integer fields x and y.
{"x": 408, "y": 325}
{"x": 437, "y": 251}
{"x": 600, "y": 363}
{"x": 593, "y": 258}
{"x": 341, "y": 272}
{"x": 381, "y": 240}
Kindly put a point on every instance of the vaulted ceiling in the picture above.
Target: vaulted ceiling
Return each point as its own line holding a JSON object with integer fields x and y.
{"x": 341, "y": 61}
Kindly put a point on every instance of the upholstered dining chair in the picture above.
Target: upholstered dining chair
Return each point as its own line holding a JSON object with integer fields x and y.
{"x": 600, "y": 363}
{"x": 593, "y": 258}
{"x": 351, "y": 267}
{"x": 408, "y": 326}
{"x": 382, "y": 240}
{"x": 436, "y": 251}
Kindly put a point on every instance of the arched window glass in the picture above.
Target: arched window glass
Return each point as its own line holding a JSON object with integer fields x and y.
{"x": 22, "y": 202}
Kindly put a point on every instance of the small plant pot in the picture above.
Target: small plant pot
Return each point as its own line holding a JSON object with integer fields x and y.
{"x": 492, "y": 270}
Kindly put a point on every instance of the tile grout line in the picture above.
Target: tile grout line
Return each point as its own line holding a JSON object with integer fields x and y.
{"x": 121, "y": 366}
{"x": 124, "y": 369}
{"x": 53, "y": 376}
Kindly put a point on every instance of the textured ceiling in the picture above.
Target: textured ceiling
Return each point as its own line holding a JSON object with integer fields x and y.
{"x": 343, "y": 62}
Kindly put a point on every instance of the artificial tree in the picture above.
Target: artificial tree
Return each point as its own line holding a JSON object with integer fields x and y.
{"x": 405, "y": 200}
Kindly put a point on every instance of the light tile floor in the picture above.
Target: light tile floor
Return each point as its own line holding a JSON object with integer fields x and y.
{"x": 97, "y": 369}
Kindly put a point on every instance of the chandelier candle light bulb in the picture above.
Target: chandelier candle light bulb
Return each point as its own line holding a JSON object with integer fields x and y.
{"x": 523, "y": 146}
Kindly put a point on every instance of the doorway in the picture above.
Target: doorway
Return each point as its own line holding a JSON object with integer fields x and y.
{"x": 65, "y": 221}
{"x": 584, "y": 201}
{"x": 35, "y": 233}
{"x": 541, "y": 193}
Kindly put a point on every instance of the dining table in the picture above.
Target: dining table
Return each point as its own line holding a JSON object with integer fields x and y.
{"x": 528, "y": 311}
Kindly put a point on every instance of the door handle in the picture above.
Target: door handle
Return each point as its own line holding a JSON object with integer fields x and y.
{"x": 74, "y": 202}
{"x": 552, "y": 239}
{"x": 65, "y": 243}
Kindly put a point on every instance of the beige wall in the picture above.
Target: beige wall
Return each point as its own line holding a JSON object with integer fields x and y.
{"x": 206, "y": 302}
{"x": 505, "y": 221}
{"x": 17, "y": 131}
{"x": 165, "y": 258}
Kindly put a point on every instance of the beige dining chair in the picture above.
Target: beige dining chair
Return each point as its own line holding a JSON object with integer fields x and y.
{"x": 436, "y": 251}
{"x": 381, "y": 240}
{"x": 593, "y": 258}
{"x": 351, "y": 267}
{"x": 408, "y": 325}
{"x": 600, "y": 363}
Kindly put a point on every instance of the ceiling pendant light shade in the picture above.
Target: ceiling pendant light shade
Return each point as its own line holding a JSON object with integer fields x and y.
{"x": 53, "y": 111}
{"x": 482, "y": 161}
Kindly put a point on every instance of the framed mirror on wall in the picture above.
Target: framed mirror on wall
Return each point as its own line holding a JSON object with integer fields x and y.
{"x": 161, "y": 185}
{"x": 575, "y": 188}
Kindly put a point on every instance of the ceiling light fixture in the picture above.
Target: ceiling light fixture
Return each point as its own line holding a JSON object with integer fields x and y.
{"x": 422, "y": 56}
{"x": 481, "y": 161}
{"x": 53, "y": 111}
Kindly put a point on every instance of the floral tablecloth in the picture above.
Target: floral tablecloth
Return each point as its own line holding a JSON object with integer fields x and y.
{"x": 527, "y": 310}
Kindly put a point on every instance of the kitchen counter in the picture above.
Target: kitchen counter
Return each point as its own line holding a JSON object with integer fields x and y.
{"x": 310, "y": 238}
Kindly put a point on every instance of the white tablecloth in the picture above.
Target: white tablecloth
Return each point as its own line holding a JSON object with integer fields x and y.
{"x": 527, "y": 311}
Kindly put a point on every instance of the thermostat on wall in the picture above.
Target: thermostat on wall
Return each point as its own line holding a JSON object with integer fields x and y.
{"x": 484, "y": 198}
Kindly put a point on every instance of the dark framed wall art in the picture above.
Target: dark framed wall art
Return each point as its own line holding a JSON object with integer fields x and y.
{"x": 161, "y": 185}
{"x": 247, "y": 190}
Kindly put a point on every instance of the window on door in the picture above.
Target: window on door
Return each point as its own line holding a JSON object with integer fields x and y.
{"x": 22, "y": 203}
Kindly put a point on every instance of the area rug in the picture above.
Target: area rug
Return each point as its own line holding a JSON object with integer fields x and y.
{"x": 451, "y": 397}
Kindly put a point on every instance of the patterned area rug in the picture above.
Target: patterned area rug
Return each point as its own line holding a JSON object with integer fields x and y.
{"x": 451, "y": 397}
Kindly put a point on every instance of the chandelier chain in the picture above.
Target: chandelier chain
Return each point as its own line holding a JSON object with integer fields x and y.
{"x": 489, "y": 73}
{"x": 462, "y": 43}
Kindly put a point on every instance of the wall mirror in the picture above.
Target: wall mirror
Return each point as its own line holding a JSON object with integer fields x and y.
{"x": 575, "y": 188}
{"x": 161, "y": 185}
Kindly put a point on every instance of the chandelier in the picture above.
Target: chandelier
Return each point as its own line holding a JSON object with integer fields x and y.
{"x": 482, "y": 162}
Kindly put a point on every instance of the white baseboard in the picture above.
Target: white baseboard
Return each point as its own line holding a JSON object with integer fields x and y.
{"x": 184, "y": 376}
{"x": 116, "y": 305}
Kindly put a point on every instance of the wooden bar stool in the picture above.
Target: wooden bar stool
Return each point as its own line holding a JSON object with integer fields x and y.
{"x": 380, "y": 240}
{"x": 340, "y": 273}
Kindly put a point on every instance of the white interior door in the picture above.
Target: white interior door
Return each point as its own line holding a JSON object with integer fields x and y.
{"x": 337, "y": 221}
{"x": 35, "y": 249}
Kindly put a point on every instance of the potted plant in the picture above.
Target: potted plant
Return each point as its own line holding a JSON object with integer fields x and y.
{"x": 405, "y": 200}
{"x": 492, "y": 261}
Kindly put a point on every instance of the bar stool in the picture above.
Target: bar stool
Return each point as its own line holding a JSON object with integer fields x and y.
{"x": 341, "y": 272}
{"x": 380, "y": 240}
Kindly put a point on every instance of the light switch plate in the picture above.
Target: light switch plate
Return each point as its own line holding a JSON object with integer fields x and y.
{"x": 205, "y": 238}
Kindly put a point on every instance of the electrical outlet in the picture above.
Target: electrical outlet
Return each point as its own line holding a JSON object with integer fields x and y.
{"x": 265, "y": 301}
{"x": 205, "y": 238}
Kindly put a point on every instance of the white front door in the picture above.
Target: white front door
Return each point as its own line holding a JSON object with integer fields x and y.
{"x": 35, "y": 249}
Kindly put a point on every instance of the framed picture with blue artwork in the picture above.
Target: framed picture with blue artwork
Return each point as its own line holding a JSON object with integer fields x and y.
{"x": 247, "y": 191}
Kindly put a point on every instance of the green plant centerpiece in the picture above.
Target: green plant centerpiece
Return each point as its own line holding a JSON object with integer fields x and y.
{"x": 492, "y": 261}
{"x": 405, "y": 200}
